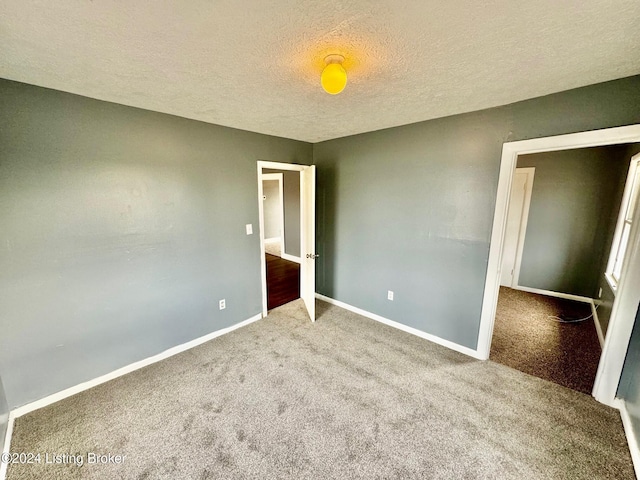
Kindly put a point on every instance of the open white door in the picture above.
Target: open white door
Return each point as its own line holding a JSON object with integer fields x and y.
{"x": 308, "y": 240}
{"x": 517, "y": 217}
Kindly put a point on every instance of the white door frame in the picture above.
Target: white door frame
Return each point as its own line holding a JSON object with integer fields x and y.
{"x": 627, "y": 298}
{"x": 263, "y": 264}
{"x": 279, "y": 178}
{"x": 524, "y": 219}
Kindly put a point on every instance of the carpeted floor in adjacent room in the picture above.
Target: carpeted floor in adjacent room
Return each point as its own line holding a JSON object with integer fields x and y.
{"x": 342, "y": 398}
{"x": 527, "y": 336}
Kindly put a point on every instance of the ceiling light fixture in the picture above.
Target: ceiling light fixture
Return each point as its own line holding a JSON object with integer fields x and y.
{"x": 334, "y": 76}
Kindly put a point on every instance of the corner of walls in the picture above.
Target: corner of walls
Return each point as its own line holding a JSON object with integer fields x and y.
{"x": 4, "y": 415}
{"x": 410, "y": 208}
{"x": 128, "y": 226}
{"x": 573, "y": 210}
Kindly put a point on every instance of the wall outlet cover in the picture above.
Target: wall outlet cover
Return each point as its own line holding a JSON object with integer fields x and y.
{"x": 223, "y": 304}
{"x": 389, "y": 295}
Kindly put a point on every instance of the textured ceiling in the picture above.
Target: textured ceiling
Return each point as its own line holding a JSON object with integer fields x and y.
{"x": 256, "y": 64}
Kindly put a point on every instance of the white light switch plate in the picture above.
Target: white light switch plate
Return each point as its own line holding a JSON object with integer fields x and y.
{"x": 249, "y": 229}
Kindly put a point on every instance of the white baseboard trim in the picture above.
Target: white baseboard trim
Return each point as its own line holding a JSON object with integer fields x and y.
{"x": 632, "y": 440}
{"x": 570, "y": 296}
{"x": 291, "y": 258}
{"x": 7, "y": 445}
{"x": 400, "y": 326}
{"x": 550, "y": 293}
{"x": 596, "y": 321}
{"x": 30, "y": 407}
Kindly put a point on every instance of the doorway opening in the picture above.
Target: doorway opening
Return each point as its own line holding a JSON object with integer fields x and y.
{"x": 624, "y": 305}
{"x": 274, "y": 204}
{"x": 286, "y": 194}
{"x": 561, "y": 217}
{"x": 281, "y": 220}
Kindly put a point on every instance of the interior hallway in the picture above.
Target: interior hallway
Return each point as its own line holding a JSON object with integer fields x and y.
{"x": 527, "y": 337}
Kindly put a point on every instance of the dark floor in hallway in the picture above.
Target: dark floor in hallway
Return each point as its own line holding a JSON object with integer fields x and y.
{"x": 283, "y": 281}
{"x": 526, "y": 338}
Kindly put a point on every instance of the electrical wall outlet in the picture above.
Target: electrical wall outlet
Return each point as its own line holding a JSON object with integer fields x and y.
{"x": 223, "y": 304}
{"x": 390, "y": 295}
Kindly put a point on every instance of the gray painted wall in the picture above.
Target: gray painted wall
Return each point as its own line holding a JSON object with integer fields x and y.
{"x": 629, "y": 387}
{"x": 291, "y": 188}
{"x": 121, "y": 230}
{"x": 574, "y": 206}
{"x": 271, "y": 208}
{"x": 410, "y": 209}
{"x": 4, "y": 415}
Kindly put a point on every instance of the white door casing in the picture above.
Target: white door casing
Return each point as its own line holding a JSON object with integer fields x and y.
{"x": 308, "y": 240}
{"x": 307, "y": 232}
{"x": 627, "y": 297}
{"x": 517, "y": 217}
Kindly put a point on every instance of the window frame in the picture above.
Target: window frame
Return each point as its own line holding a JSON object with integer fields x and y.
{"x": 631, "y": 189}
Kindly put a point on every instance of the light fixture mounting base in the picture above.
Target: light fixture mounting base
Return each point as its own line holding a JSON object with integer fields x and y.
{"x": 333, "y": 58}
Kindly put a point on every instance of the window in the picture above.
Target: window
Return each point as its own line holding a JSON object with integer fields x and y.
{"x": 623, "y": 227}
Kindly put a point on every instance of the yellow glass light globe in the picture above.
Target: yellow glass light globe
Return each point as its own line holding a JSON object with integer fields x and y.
{"x": 333, "y": 78}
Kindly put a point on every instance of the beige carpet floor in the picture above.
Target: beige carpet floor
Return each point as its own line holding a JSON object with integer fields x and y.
{"x": 343, "y": 398}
